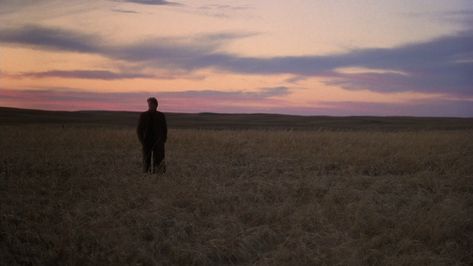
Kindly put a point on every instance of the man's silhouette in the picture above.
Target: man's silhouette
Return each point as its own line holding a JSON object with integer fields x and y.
{"x": 152, "y": 132}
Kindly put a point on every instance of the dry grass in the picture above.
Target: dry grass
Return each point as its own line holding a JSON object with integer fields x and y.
{"x": 76, "y": 196}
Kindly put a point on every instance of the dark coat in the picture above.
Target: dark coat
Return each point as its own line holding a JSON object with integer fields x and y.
{"x": 152, "y": 128}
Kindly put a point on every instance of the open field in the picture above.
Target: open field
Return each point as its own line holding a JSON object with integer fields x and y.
{"x": 75, "y": 196}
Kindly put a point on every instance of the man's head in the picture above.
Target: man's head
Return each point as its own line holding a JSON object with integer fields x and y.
{"x": 152, "y": 104}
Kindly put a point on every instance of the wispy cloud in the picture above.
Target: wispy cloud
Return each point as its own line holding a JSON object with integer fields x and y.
{"x": 184, "y": 101}
{"x": 52, "y": 39}
{"x": 443, "y": 64}
{"x": 224, "y": 7}
{"x": 221, "y": 10}
{"x": 83, "y": 74}
{"x": 260, "y": 94}
{"x": 150, "y": 2}
{"x": 464, "y": 16}
{"x": 126, "y": 11}
{"x": 7, "y": 6}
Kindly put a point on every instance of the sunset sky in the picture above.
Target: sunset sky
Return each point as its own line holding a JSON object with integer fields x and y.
{"x": 353, "y": 57}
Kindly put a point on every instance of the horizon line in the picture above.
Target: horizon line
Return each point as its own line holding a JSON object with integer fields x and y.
{"x": 242, "y": 113}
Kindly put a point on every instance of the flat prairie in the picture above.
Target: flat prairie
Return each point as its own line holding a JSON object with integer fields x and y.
{"x": 75, "y": 195}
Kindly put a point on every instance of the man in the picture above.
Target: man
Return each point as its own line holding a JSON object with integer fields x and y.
{"x": 152, "y": 132}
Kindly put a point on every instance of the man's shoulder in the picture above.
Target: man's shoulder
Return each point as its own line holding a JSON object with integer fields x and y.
{"x": 144, "y": 114}
{"x": 151, "y": 113}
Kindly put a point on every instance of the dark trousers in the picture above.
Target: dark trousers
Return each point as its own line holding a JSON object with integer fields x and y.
{"x": 153, "y": 154}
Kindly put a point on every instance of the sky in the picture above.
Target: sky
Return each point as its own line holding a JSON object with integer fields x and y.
{"x": 304, "y": 57}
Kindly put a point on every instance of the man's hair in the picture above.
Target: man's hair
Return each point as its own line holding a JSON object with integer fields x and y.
{"x": 153, "y": 100}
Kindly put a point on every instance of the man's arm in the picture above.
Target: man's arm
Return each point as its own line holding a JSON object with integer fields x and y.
{"x": 165, "y": 129}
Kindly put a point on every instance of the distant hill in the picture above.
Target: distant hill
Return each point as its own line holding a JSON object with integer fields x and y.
{"x": 13, "y": 116}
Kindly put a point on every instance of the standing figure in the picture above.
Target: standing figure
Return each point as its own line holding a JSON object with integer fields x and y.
{"x": 152, "y": 132}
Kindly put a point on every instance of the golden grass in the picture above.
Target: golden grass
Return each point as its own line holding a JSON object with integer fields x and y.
{"x": 76, "y": 196}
